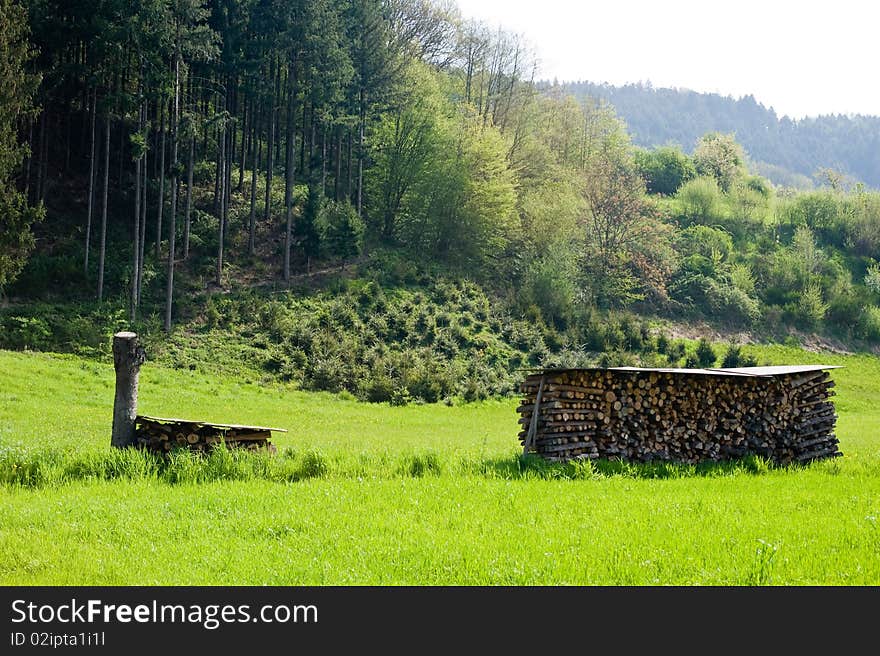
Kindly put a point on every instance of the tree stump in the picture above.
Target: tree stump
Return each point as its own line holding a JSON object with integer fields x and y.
{"x": 128, "y": 356}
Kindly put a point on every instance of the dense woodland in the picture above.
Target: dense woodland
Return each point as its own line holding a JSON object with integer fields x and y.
{"x": 196, "y": 167}
{"x": 789, "y": 152}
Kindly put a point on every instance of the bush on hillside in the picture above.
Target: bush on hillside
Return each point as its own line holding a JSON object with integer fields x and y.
{"x": 705, "y": 354}
{"x": 699, "y": 201}
{"x": 734, "y": 357}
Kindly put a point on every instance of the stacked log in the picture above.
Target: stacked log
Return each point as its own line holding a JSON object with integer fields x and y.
{"x": 681, "y": 416}
{"x": 165, "y": 435}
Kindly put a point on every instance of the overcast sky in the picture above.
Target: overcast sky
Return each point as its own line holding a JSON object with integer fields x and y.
{"x": 802, "y": 58}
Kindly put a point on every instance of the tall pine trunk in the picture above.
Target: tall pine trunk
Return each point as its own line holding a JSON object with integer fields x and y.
{"x": 67, "y": 144}
{"x": 278, "y": 95}
{"x": 137, "y": 235}
{"x": 323, "y": 159}
{"x": 188, "y": 206}
{"x": 360, "y": 179}
{"x": 139, "y": 165}
{"x": 233, "y": 141}
{"x": 143, "y": 239}
{"x": 44, "y": 158}
{"x": 104, "y": 207}
{"x": 172, "y": 229}
{"x": 40, "y": 157}
{"x": 252, "y": 222}
{"x": 269, "y": 151}
{"x": 121, "y": 149}
{"x": 222, "y": 194}
{"x": 205, "y": 126}
{"x": 348, "y": 167}
{"x": 91, "y": 183}
{"x": 156, "y": 143}
{"x": 244, "y": 144}
{"x": 311, "y": 164}
{"x": 217, "y": 166}
{"x": 337, "y": 185}
{"x": 289, "y": 168}
{"x": 30, "y": 161}
{"x": 161, "y": 179}
{"x": 305, "y": 141}
{"x": 227, "y": 187}
{"x": 121, "y": 85}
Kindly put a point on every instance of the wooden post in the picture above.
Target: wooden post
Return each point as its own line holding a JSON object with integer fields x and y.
{"x": 533, "y": 424}
{"x": 128, "y": 356}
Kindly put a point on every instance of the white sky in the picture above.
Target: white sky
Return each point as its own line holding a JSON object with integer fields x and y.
{"x": 803, "y": 58}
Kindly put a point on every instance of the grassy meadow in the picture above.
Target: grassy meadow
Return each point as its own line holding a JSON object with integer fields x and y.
{"x": 422, "y": 494}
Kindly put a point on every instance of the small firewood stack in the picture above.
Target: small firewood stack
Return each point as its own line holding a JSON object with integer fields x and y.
{"x": 681, "y": 415}
{"x": 163, "y": 435}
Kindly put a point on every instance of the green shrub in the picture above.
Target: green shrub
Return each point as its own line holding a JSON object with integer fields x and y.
{"x": 204, "y": 171}
{"x": 699, "y": 201}
{"x": 811, "y": 308}
{"x": 741, "y": 278}
{"x": 664, "y": 169}
{"x": 731, "y": 304}
{"x": 713, "y": 296}
{"x": 759, "y": 185}
{"x": 734, "y": 357}
{"x": 872, "y": 278}
{"x": 550, "y": 286}
{"x": 705, "y": 354}
{"x": 341, "y": 230}
{"x": 818, "y": 210}
{"x": 400, "y": 396}
{"x": 20, "y": 333}
{"x": 870, "y": 323}
{"x": 662, "y": 343}
{"x": 704, "y": 240}
{"x": 747, "y": 210}
{"x": 677, "y": 351}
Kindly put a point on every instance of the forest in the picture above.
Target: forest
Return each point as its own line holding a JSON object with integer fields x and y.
{"x": 378, "y": 196}
{"x": 790, "y": 152}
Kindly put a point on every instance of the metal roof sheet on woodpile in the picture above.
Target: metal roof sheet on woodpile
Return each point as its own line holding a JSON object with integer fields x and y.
{"x": 210, "y": 424}
{"x": 780, "y": 370}
{"x": 760, "y": 372}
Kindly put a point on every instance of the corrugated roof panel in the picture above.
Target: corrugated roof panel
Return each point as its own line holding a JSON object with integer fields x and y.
{"x": 212, "y": 424}
{"x": 763, "y": 372}
{"x": 780, "y": 370}
{"x": 699, "y": 372}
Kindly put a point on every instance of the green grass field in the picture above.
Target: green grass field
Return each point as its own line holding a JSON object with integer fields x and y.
{"x": 423, "y": 494}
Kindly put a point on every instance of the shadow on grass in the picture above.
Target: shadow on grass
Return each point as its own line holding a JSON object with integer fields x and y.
{"x": 535, "y": 467}
{"x": 47, "y": 468}
{"x": 36, "y": 469}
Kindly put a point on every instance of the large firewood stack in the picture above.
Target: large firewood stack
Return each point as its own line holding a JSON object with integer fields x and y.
{"x": 783, "y": 413}
{"x": 163, "y": 435}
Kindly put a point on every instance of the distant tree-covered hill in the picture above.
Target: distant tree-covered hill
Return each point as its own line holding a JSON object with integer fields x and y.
{"x": 789, "y": 152}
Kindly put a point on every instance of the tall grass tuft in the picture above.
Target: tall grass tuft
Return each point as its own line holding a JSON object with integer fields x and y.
{"x": 312, "y": 465}
{"x": 762, "y": 567}
{"x": 418, "y": 465}
{"x": 20, "y": 467}
{"x": 132, "y": 464}
{"x": 41, "y": 468}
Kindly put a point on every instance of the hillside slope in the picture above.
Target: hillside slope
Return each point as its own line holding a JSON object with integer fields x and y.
{"x": 789, "y": 152}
